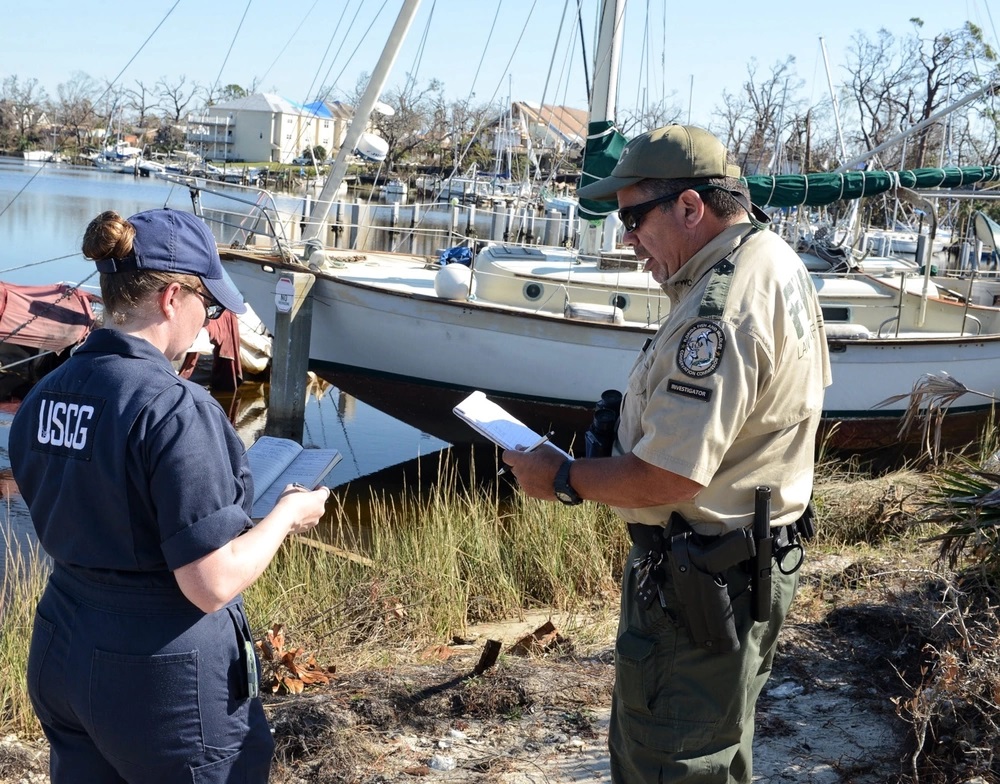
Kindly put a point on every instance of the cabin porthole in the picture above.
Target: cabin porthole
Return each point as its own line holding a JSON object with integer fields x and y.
{"x": 532, "y": 291}
{"x": 620, "y": 301}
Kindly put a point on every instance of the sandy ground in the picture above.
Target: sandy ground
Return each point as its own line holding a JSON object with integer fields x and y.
{"x": 826, "y": 717}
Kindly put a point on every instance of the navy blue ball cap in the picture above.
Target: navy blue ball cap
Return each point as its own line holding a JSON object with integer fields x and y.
{"x": 176, "y": 241}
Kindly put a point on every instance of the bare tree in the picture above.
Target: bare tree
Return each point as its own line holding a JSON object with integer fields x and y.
{"x": 633, "y": 122}
{"x": 142, "y": 100}
{"x": 405, "y": 130}
{"x": 75, "y": 106}
{"x": 733, "y": 120}
{"x": 883, "y": 86}
{"x": 896, "y": 84}
{"x": 771, "y": 106}
{"x": 947, "y": 66}
{"x": 23, "y": 105}
{"x": 176, "y": 96}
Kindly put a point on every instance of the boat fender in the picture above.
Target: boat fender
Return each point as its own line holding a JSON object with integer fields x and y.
{"x": 454, "y": 281}
{"x": 310, "y": 247}
{"x": 318, "y": 261}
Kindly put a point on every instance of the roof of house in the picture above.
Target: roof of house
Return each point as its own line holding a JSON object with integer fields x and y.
{"x": 566, "y": 123}
{"x": 269, "y": 102}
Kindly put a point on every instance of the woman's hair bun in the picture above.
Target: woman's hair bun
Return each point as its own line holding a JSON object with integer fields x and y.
{"x": 108, "y": 236}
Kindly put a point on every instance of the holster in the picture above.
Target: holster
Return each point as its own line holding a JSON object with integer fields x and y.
{"x": 698, "y": 568}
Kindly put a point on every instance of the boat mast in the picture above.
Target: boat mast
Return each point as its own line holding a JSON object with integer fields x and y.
{"x": 361, "y": 116}
{"x": 603, "y": 104}
{"x": 602, "y": 101}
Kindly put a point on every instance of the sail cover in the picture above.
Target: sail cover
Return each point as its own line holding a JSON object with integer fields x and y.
{"x": 604, "y": 148}
{"x": 812, "y": 190}
{"x": 48, "y": 317}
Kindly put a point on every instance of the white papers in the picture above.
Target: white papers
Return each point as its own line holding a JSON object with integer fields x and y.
{"x": 487, "y": 418}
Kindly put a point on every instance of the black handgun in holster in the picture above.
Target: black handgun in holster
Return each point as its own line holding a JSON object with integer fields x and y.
{"x": 698, "y": 566}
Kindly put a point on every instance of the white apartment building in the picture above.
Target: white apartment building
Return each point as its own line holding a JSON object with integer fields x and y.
{"x": 266, "y": 127}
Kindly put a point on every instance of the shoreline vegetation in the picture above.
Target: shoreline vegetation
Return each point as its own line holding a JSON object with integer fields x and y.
{"x": 455, "y": 551}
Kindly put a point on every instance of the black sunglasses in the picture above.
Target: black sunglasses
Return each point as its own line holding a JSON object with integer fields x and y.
{"x": 212, "y": 308}
{"x": 631, "y": 217}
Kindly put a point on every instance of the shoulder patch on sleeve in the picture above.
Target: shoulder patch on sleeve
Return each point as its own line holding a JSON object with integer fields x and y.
{"x": 701, "y": 349}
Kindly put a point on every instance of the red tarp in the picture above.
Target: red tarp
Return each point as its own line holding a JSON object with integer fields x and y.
{"x": 50, "y": 317}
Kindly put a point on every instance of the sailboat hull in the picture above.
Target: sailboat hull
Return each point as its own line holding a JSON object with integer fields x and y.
{"x": 379, "y": 331}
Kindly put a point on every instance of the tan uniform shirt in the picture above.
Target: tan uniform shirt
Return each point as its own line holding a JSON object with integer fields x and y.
{"x": 730, "y": 390}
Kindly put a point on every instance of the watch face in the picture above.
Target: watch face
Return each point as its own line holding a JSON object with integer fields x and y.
{"x": 564, "y": 497}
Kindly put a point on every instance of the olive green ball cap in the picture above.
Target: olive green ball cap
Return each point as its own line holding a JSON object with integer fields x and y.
{"x": 670, "y": 153}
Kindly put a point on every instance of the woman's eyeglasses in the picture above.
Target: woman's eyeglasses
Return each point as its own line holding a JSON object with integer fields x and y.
{"x": 212, "y": 308}
{"x": 631, "y": 217}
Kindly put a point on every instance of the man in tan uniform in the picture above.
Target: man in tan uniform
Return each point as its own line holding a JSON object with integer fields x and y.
{"x": 724, "y": 399}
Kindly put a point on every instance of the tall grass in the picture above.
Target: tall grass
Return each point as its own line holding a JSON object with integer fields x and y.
{"x": 24, "y": 576}
{"x": 434, "y": 559}
{"x": 440, "y": 559}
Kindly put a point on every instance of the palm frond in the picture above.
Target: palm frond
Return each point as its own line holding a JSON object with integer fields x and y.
{"x": 930, "y": 398}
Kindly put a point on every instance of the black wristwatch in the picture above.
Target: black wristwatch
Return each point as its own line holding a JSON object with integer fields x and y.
{"x": 564, "y": 490}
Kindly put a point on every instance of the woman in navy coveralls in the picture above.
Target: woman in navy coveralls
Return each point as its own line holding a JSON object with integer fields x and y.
{"x": 141, "y": 666}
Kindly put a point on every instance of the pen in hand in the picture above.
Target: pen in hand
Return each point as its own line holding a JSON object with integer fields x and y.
{"x": 531, "y": 448}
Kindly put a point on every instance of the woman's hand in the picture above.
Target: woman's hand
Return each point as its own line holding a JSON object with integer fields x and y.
{"x": 215, "y": 579}
{"x": 305, "y": 507}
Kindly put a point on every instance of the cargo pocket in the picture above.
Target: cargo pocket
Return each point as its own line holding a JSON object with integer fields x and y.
{"x": 145, "y": 708}
{"x": 634, "y": 659}
{"x": 41, "y": 639}
{"x": 655, "y": 709}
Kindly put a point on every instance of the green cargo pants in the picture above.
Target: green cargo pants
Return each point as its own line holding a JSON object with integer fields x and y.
{"x": 679, "y": 713}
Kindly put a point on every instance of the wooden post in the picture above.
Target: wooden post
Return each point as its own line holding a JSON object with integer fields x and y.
{"x": 290, "y": 356}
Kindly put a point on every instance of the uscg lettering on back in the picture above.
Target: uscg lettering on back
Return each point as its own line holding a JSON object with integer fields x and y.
{"x": 65, "y": 424}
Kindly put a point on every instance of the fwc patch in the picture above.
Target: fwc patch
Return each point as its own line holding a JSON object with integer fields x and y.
{"x": 701, "y": 349}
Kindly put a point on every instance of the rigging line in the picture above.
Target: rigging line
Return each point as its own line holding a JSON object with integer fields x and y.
{"x": 583, "y": 46}
{"x": 640, "y": 103}
{"x": 558, "y": 161}
{"x": 565, "y": 118}
{"x": 329, "y": 45}
{"x": 418, "y": 58}
{"x": 288, "y": 43}
{"x": 137, "y": 51}
{"x": 361, "y": 40}
{"x": 548, "y": 76}
{"x": 321, "y": 98}
{"x": 314, "y": 115}
{"x": 482, "y": 57}
{"x": 326, "y": 77}
{"x": 475, "y": 78}
{"x": 39, "y": 263}
{"x": 229, "y": 51}
{"x": 482, "y": 122}
{"x": 96, "y": 101}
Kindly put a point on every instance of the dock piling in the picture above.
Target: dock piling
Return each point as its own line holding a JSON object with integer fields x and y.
{"x": 290, "y": 354}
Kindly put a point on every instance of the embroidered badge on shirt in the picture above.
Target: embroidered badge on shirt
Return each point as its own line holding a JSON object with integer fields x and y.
{"x": 701, "y": 349}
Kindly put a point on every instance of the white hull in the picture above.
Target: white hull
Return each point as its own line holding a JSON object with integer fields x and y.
{"x": 386, "y": 321}
{"x": 446, "y": 343}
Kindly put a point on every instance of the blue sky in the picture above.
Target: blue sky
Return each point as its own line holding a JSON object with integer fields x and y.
{"x": 697, "y": 52}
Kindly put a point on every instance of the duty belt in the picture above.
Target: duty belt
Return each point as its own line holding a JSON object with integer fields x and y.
{"x": 656, "y": 538}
